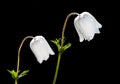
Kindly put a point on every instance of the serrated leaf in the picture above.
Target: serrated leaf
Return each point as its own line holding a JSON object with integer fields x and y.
{"x": 23, "y": 73}
{"x": 13, "y": 74}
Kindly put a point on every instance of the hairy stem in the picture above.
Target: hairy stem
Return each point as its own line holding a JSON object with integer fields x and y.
{"x": 18, "y": 59}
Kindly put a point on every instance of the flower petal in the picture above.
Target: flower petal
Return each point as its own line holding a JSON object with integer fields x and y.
{"x": 85, "y": 28}
{"x": 47, "y": 46}
{"x": 77, "y": 27}
{"x": 40, "y": 48}
{"x": 86, "y": 25}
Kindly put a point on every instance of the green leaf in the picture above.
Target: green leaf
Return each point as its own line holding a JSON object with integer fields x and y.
{"x": 57, "y": 43}
{"x": 13, "y": 74}
{"x": 23, "y": 73}
{"x": 66, "y": 46}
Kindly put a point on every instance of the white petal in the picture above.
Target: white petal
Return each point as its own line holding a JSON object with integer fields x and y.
{"x": 93, "y": 21}
{"x": 77, "y": 27}
{"x": 51, "y": 52}
{"x": 37, "y": 50}
{"x": 84, "y": 27}
{"x": 40, "y": 48}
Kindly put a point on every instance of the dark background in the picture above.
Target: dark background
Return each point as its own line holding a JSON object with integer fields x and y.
{"x": 86, "y": 62}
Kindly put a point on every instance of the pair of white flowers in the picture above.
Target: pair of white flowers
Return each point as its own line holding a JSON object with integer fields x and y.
{"x": 86, "y": 26}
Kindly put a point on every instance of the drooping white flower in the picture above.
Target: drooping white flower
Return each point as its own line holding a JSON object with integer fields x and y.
{"x": 86, "y": 26}
{"x": 41, "y": 48}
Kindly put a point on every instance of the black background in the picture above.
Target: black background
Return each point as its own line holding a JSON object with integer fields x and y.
{"x": 86, "y": 62}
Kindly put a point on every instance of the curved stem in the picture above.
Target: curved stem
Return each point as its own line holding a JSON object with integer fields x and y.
{"x": 62, "y": 43}
{"x": 18, "y": 59}
{"x": 64, "y": 26}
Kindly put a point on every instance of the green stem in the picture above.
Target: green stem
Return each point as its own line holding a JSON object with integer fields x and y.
{"x": 57, "y": 68}
{"x": 15, "y": 81}
{"x": 62, "y": 43}
{"x": 18, "y": 60}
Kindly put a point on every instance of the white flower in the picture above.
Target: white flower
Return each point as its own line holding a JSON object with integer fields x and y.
{"x": 86, "y": 26}
{"x": 41, "y": 48}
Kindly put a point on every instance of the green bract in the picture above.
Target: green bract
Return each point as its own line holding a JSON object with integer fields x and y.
{"x": 61, "y": 49}
{"x": 16, "y": 75}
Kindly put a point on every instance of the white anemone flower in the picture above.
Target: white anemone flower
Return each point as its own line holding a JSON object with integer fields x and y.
{"x": 86, "y": 26}
{"x": 41, "y": 48}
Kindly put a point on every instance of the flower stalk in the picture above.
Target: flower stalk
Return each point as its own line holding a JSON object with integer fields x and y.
{"x": 18, "y": 59}
{"x": 57, "y": 68}
{"x": 62, "y": 45}
{"x": 64, "y": 26}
